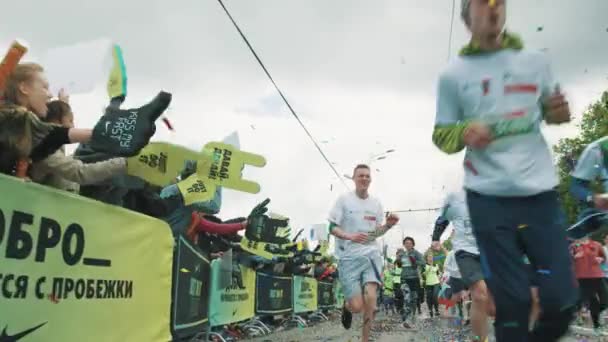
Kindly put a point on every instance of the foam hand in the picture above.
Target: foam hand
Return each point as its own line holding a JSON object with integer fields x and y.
{"x": 125, "y": 132}
{"x": 159, "y": 163}
{"x": 227, "y": 165}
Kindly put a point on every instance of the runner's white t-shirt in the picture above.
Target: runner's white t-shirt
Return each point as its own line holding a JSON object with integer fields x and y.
{"x": 503, "y": 89}
{"x": 456, "y": 211}
{"x": 356, "y": 215}
{"x": 591, "y": 165}
{"x": 450, "y": 266}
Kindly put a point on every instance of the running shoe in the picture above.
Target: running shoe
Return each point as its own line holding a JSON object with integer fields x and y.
{"x": 347, "y": 318}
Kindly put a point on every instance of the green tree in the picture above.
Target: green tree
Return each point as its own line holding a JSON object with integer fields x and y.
{"x": 594, "y": 125}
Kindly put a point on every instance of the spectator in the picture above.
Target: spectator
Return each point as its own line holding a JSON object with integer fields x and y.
{"x": 67, "y": 173}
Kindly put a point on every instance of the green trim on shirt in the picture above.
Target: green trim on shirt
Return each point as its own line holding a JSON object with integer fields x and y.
{"x": 448, "y": 138}
{"x": 332, "y": 226}
{"x": 509, "y": 41}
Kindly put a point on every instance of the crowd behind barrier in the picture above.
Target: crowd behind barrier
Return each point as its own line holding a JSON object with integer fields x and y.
{"x": 139, "y": 246}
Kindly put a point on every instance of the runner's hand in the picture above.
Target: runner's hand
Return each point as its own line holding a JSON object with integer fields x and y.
{"x": 599, "y": 260}
{"x": 477, "y": 135}
{"x": 391, "y": 220}
{"x": 557, "y": 110}
{"x": 357, "y": 237}
{"x": 601, "y": 201}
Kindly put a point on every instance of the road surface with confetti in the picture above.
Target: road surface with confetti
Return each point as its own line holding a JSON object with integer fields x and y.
{"x": 387, "y": 329}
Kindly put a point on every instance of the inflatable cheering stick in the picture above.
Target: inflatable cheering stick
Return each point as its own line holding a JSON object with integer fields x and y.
{"x": 158, "y": 163}
{"x": 125, "y": 132}
{"x": 10, "y": 62}
{"x": 261, "y": 234}
{"x": 227, "y": 165}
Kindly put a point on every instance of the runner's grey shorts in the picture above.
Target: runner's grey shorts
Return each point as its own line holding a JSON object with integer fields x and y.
{"x": 357, "y": 271}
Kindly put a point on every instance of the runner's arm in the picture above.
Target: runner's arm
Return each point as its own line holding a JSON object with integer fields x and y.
{"x": 449, "y": 123}
{"x": 440, "y": 225}
{"x": 581, "y": 190}
{"x": 588, "y": 168}
{"x": 601, "y": 253}
{"x": 338, "y": 232}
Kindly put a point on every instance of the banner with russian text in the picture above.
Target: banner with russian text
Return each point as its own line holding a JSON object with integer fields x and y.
{"x": 304, "y": 294}
{"x": 191, "y": 275}
{"x": 73, "y": 269}
{"x": 234, "y": 303}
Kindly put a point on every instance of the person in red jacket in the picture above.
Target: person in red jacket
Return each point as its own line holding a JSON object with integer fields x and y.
{"x": 588, "y": 256}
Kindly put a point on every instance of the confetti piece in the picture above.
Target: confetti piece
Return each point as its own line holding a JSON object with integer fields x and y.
{"x": 539, "y": 29}
{"x": 168, "y": 124}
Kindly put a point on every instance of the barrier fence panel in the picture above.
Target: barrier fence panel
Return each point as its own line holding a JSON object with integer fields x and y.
{"x": 338, "y": 294}
{"x": 74, "y": 269}
{"x": 326, "y": 298}
{"x": 273, "y": 294}
{"x": 234, "y": 303}
{"x": 304, "y": 294}
{"x": 191, "y": 274}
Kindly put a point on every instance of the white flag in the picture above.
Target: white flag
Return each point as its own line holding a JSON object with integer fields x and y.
{"x": 78, "y": 68}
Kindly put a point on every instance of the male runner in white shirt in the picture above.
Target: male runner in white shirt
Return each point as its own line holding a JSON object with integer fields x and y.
{"x": 356, "y": 220}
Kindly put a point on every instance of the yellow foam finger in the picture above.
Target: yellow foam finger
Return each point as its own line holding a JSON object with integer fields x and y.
{"x": 227, "y": 165}
{"x": 194, "y": 189}
{"x": 159, "y": 163}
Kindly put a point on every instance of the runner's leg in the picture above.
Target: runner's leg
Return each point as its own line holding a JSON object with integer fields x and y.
{"x": 589, "y": 295}
{"x": 369, "y": 309}
{"x": 502, "y": 264}
{"x": 371, "y": 279}
{"x": 436, "y": 299}
{"x": 541, "y": 229}
{"x": 399, "y": 302}
{"x": 479, "y": 315}
{"x": 429, "y": 299}
{"x": 535, "y": 312}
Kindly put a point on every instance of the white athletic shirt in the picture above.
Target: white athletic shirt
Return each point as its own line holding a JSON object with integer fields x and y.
{"x": 450, "y": 266}
{"x": 356, "y": 215}
{"x": 504, "y": 90}
{"x": 456, "y": 211}
{"x": 591, "y": 165}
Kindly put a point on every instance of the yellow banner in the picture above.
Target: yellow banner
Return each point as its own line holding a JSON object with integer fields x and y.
{"x": 73, "y": 269}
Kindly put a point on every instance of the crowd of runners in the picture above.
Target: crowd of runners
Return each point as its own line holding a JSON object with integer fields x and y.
{"x": 514, "y": 260}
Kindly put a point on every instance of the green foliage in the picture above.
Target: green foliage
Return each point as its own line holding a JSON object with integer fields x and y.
{"x": 447, "y": 244}
{"x": 594, "y": 125}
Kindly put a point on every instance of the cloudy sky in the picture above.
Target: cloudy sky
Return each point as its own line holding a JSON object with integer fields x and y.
{"x": 361, "y": 75}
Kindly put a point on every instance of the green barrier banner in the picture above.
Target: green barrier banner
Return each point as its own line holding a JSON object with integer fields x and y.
{"x": 73, "y": 269}
{"x": 339, "y": 294}
{"x": 191, "y": 274}
{"x": 305, "y": 294}
{"x": 234, "y": 303}
{"x": 273, "y": 294}
{"x": 325, "y": 297}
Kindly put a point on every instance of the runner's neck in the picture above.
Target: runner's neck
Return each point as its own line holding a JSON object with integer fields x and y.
{"x": 488, "y": 44}
{"x": 362, "y": 194}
